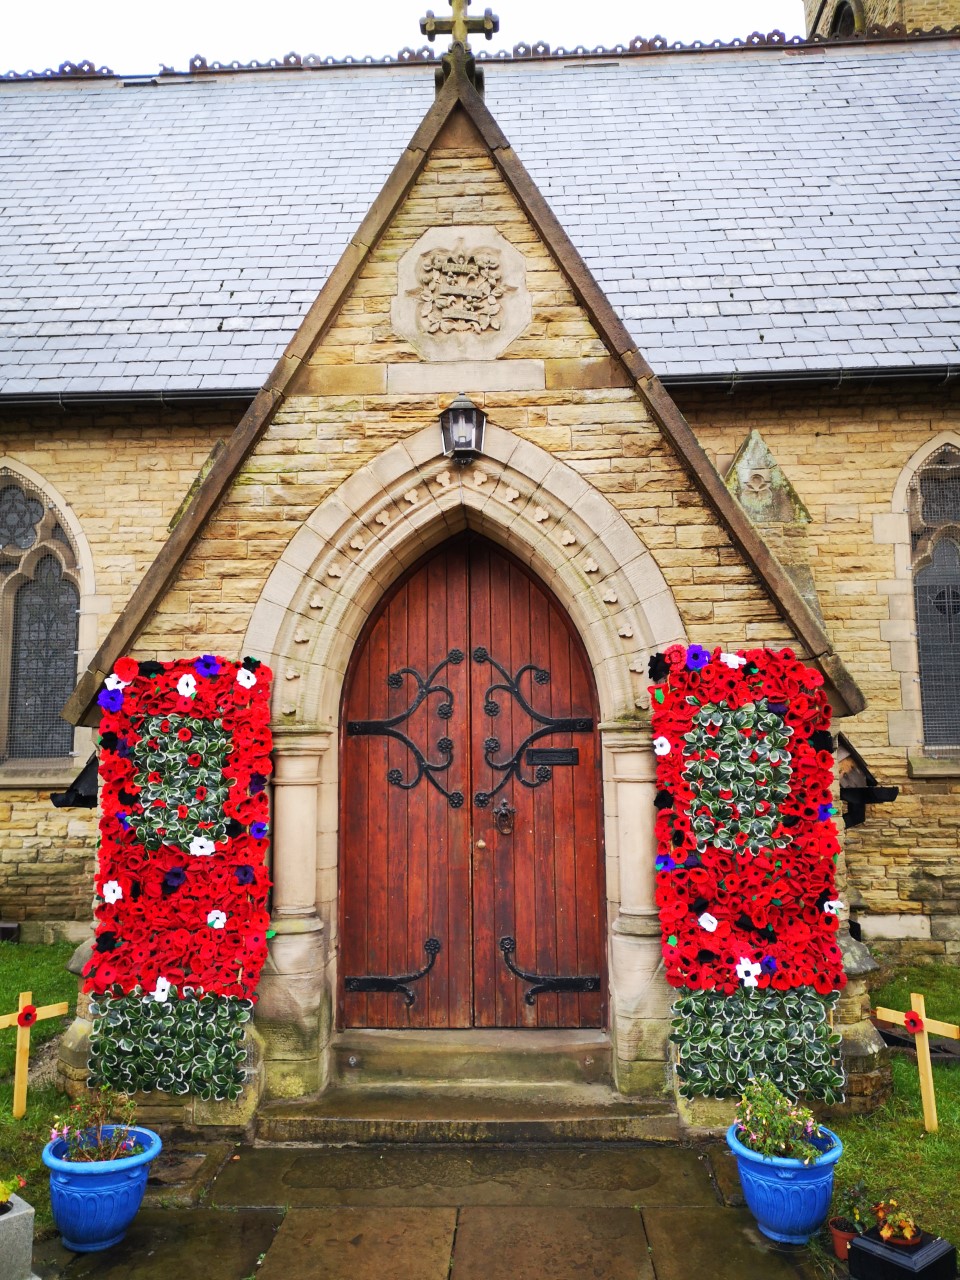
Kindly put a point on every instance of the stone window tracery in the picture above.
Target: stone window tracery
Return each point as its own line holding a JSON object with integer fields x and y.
{"x": 39, "y": 624}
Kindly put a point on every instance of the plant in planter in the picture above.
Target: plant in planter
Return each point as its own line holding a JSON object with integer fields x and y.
{"x": 853, "y": 1214}
{"x": 895, "y": 1224}
{"x": 785, "y": 1161}
{"x": 7, "y": 1188}
{"x": 98, "y": 1170}
{"x": 897, "y": 1246}
{"x": 16, "y": 1231}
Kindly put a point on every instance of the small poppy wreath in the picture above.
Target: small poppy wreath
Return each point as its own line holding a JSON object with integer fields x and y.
{"x": 913, "y": 1022}
{"x": 27, "y": 1015}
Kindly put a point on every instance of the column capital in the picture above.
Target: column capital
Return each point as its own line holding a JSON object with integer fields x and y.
{"x": 635, "y": 736}
{"x": 296, "y": 755}
{"x": 302, "y": 739}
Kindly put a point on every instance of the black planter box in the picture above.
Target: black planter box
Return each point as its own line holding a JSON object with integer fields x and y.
{"x": 871, "y": 1259}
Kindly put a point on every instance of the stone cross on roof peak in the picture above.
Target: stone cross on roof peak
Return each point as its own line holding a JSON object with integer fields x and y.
{"x": 458, "y": 26}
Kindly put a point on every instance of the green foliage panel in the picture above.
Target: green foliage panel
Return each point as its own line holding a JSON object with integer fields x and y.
{"x": 722, "y": 1041}
{"x": 189, "y": 1045}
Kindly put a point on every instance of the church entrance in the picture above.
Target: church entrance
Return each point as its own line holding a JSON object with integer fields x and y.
{"x": 472, "y": 889}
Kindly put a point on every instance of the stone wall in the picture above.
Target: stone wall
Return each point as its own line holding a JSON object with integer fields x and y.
{"x": 556, "y": 388}
{"x": 122, "y": 474}
{"x": 913, "y": 14}
{"x": 844, "y": 453}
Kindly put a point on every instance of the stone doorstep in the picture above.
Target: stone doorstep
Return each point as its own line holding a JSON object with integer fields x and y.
{"x": 471, "y": 1112}
{"x": 184, "y": 1172}
{"x": 515, "y": 1056}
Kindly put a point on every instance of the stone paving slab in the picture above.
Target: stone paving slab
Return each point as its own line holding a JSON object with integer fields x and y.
{"x": 170, "y": 1244}
{"x": 448, "y": 1213}
{"x": 559, "y": 1244}
{"x": 425, "y": 1176}
{"x": 724, "y": 1165}
{"x": 362, "y": 1244}
{"x": 719, "y": 1243}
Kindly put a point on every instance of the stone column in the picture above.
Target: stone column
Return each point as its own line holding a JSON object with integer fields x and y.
{"x": 640, "y": 997}
{"x": 293, "y": 1008}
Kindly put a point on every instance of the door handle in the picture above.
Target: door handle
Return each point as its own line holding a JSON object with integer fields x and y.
{"x": 503, "y": 816}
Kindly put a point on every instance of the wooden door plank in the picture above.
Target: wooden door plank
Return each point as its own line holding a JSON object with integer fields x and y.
{"x": 457, "y": 822}
{"x": 485, "y": 921}
{"x": 422, "y": 729}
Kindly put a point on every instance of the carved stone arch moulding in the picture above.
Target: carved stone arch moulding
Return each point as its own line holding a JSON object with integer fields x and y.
{"x": 408, "y": 500}
{"x": 900, "y": 630}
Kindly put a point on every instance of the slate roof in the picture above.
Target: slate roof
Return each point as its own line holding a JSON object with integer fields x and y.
{"x": 766, "y": 211}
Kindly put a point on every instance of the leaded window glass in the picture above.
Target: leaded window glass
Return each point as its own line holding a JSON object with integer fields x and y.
{"x": 937, "y": 593}
{"x": 20, "y": 514}
{"x": 44, "y": 663}
{"x": 39, "y": 624}
{"x": 934, "y": 507}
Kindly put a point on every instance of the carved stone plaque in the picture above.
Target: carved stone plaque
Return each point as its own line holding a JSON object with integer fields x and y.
{"x": 461, "y": 294}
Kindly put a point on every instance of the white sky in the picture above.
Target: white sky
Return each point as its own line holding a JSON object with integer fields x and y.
{"x": 132, "y": 37}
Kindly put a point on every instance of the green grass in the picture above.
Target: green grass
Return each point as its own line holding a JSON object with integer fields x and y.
{"x": 890, "y": 1149}
{"x": 41, "y": 969}
{"x": 939, "y": 984}
{"x": 22, "y": 1141}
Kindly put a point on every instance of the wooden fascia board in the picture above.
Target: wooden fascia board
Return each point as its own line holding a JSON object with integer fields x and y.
{"x": 776, "y": 581}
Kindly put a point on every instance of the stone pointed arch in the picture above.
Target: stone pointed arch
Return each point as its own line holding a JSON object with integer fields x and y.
{"x": 900, "y": 631}
{"x": 409, "y": 499}
{"x": 311, "y": 611}
{"x": 76, "y": 558}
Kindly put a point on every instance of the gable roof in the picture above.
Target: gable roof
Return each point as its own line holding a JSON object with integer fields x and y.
{"x": 772, "y": 211}
{"x": 458, "y": 93}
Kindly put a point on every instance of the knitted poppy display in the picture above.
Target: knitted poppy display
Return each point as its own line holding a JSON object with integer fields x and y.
{"x": 182, "y": 886}
{"x": 746, "y": 844}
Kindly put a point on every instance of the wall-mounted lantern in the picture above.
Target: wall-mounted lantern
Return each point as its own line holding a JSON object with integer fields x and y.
{"x": 461, "y": 426}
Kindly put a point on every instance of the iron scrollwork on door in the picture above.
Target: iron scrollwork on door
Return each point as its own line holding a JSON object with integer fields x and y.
{"x": 511, "y": 768}
{"x": 544, "y": 982}
{"x": 429, "y": 769}
{"x": 378, "y": 982}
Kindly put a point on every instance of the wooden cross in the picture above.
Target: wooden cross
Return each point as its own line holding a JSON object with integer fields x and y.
{"x": 23, "y": 1020}
{"x": 459, "y": 26}
{"x": 915, "y": 1020}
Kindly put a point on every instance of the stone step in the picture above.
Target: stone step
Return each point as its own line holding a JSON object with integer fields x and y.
{"x": 522, "y": 1056}
{"x": 481, "y": 1113}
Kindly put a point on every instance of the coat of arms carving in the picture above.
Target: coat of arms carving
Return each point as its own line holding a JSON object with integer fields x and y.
{"x": 461, "y": 290}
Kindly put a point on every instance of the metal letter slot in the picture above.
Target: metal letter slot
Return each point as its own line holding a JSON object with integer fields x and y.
{"x": 553, "y": 755}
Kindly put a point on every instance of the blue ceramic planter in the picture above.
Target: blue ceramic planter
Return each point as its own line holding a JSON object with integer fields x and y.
{"x": 790, "y": 1200}
{"x": 95, "y": 1201}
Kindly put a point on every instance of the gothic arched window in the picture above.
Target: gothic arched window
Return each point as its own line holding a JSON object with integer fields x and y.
{"x": 934, "y": 508}
{"x": 39, "y": 624}
{"x": 844, "y": 20}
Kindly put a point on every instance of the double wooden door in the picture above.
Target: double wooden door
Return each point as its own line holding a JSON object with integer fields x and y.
{"x": 471, "y": 861}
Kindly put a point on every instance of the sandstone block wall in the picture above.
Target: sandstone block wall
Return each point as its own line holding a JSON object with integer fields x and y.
{"x": 124, "y": 474}
{"x": 844, "y": 453}
{"x": 578, "y": 413}
{"x": 913, "y": 14}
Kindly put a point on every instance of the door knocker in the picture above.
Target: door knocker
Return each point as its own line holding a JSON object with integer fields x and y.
{"x": 503, "y": 816}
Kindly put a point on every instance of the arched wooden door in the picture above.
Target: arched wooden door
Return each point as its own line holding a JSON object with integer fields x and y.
{"x": 470, "y": 806}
